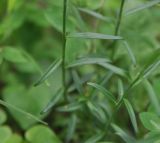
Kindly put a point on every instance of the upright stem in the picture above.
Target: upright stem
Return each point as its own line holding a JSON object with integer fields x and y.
{"x": 119, "y": 18}
{"x": 116, "y": 33}
{"x": 64, "y": 46}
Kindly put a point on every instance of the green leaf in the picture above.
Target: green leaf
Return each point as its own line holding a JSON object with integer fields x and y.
{"x": 71, "y": 127}
{"x": 130, "y": 53}
{"x": 15, "y": 138}
{"x": 127, "y": 138}
{"x": 131, "y": 114}
{"x": 120, "y": 89}
{"x": 150, "y": 121}
{"x": 28, "y": 115}
{"x": 94, "y": 14}
{"x": 3, "y": 117}
{"x": 77, "y": 81}
{"x": 5, "y": 133}
{"x": 41, "y": 134}
{"x": 95, "y": 138}
{"x": 97, "y": 111}
{"x": 114, "y": 69}
{"x": 86, "y": 61}
{"x": 70, "y": 107}
{"x": 142, "y": 7}
{"x": 89, "y": 35}
{"x": 104, "y": 91}
{"x": 11, "y": 5}
{"x": 48, "y": 72}
{"x": 53, "y": 101}
{"x": 13, "y": 55}
{"x": 152, "y": 96}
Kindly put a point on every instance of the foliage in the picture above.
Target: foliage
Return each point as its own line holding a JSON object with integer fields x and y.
{"x": 87, "y": 68}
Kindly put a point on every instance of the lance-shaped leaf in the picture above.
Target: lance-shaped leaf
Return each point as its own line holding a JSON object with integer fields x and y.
{"x": 48, "y": 72}
{"x": 70, "y": 107}
{"x": 97, "y": 111}
{"x": 114, "y": 69}
{"x": 95, "y": 138}
{"x": 87, "y": 61}
{"x": 127, "y": 138}
{"x": 95, "y": 14}
{"x": 131, "y": 114}
{"x": 53, "y": 101}
{"x": 71, "y": 127}
{"x": 142, "y": 7}
{"x": 89, "y": 35}
{"x": 28, "y": 115}
{"x": 103, "y": 91}
{"x": 152, "y": 96}
{"x": 130, "y": 53}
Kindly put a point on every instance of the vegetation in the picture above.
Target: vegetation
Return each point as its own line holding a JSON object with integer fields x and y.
{"x": 84, "y": 71}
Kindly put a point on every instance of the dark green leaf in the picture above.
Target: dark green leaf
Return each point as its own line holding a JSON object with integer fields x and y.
{"x": 103, "y": 91}
{"x": 131, "y": 114}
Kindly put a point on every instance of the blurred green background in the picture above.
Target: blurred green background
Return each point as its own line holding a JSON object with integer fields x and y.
{"x": 31, "y": 39}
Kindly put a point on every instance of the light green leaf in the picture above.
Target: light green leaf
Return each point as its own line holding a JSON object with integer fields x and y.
{"x": 97, "y": 111}
{"x": 104, "y": 91}
{"x": 5, "y": 133}
{"x": 71, "y": 127}
{"x": 150, "y": 121}
{"x": 53, "y": 101}
{"x": 142, "y": 7}
{"x": 89, "y": 35}
{"x": 15, "y": 138}
{"x": 3, "y": 117}
{"x": 114, "y": 69}
{"x": 127, "y": 138}
{"x": 13, "y": 55}
{"x": 28, "y": 115}
{"x": 48, "y": 72}
{"x": 41, "y": 134}
{"x": 70, "y": 107}
{"x": 131, "y": 114}
{"x": 94, "y": 14}
{"x": 95, "y": 138}
{"x": 86, "y": 61}
{"x": 152, "y": 96}
{"x": 130, "y": 53}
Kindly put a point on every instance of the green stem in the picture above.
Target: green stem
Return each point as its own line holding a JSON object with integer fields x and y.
{"x": 64, "y": 47}
{"x": 117, "y": 28}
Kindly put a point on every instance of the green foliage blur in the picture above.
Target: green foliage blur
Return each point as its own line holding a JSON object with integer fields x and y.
{"x": 31, "y": 40}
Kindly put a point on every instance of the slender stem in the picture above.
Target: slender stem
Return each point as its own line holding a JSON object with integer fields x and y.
{"x": 119, "y": 18}
{"x": 64, "y": 46}
{"x": 117, "y": 28}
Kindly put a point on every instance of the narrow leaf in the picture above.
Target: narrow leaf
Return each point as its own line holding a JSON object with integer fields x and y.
{"x": 127, "y": 138}
{"x": 103, "y": 91}
{"x": 71, "y": 127}
{"x": 94, "y": 14}
{"x": 97, "y": 112}
{"x": 142, "y": 7}
{"x": 48, "y": 72}
{"x": 130, "y": 53}
{"x": 70, "y": 107}
{"x": 53, "y": 101}
{"x": 131, "y": 114}
{"x": 86, "y": 61}
{"x": 114, "y": 69}
{"x": 89, "y": 35}
{"x": 95, "y": 138}
{"x": 28, "y": 115}
{"x": 152, "y": 96}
